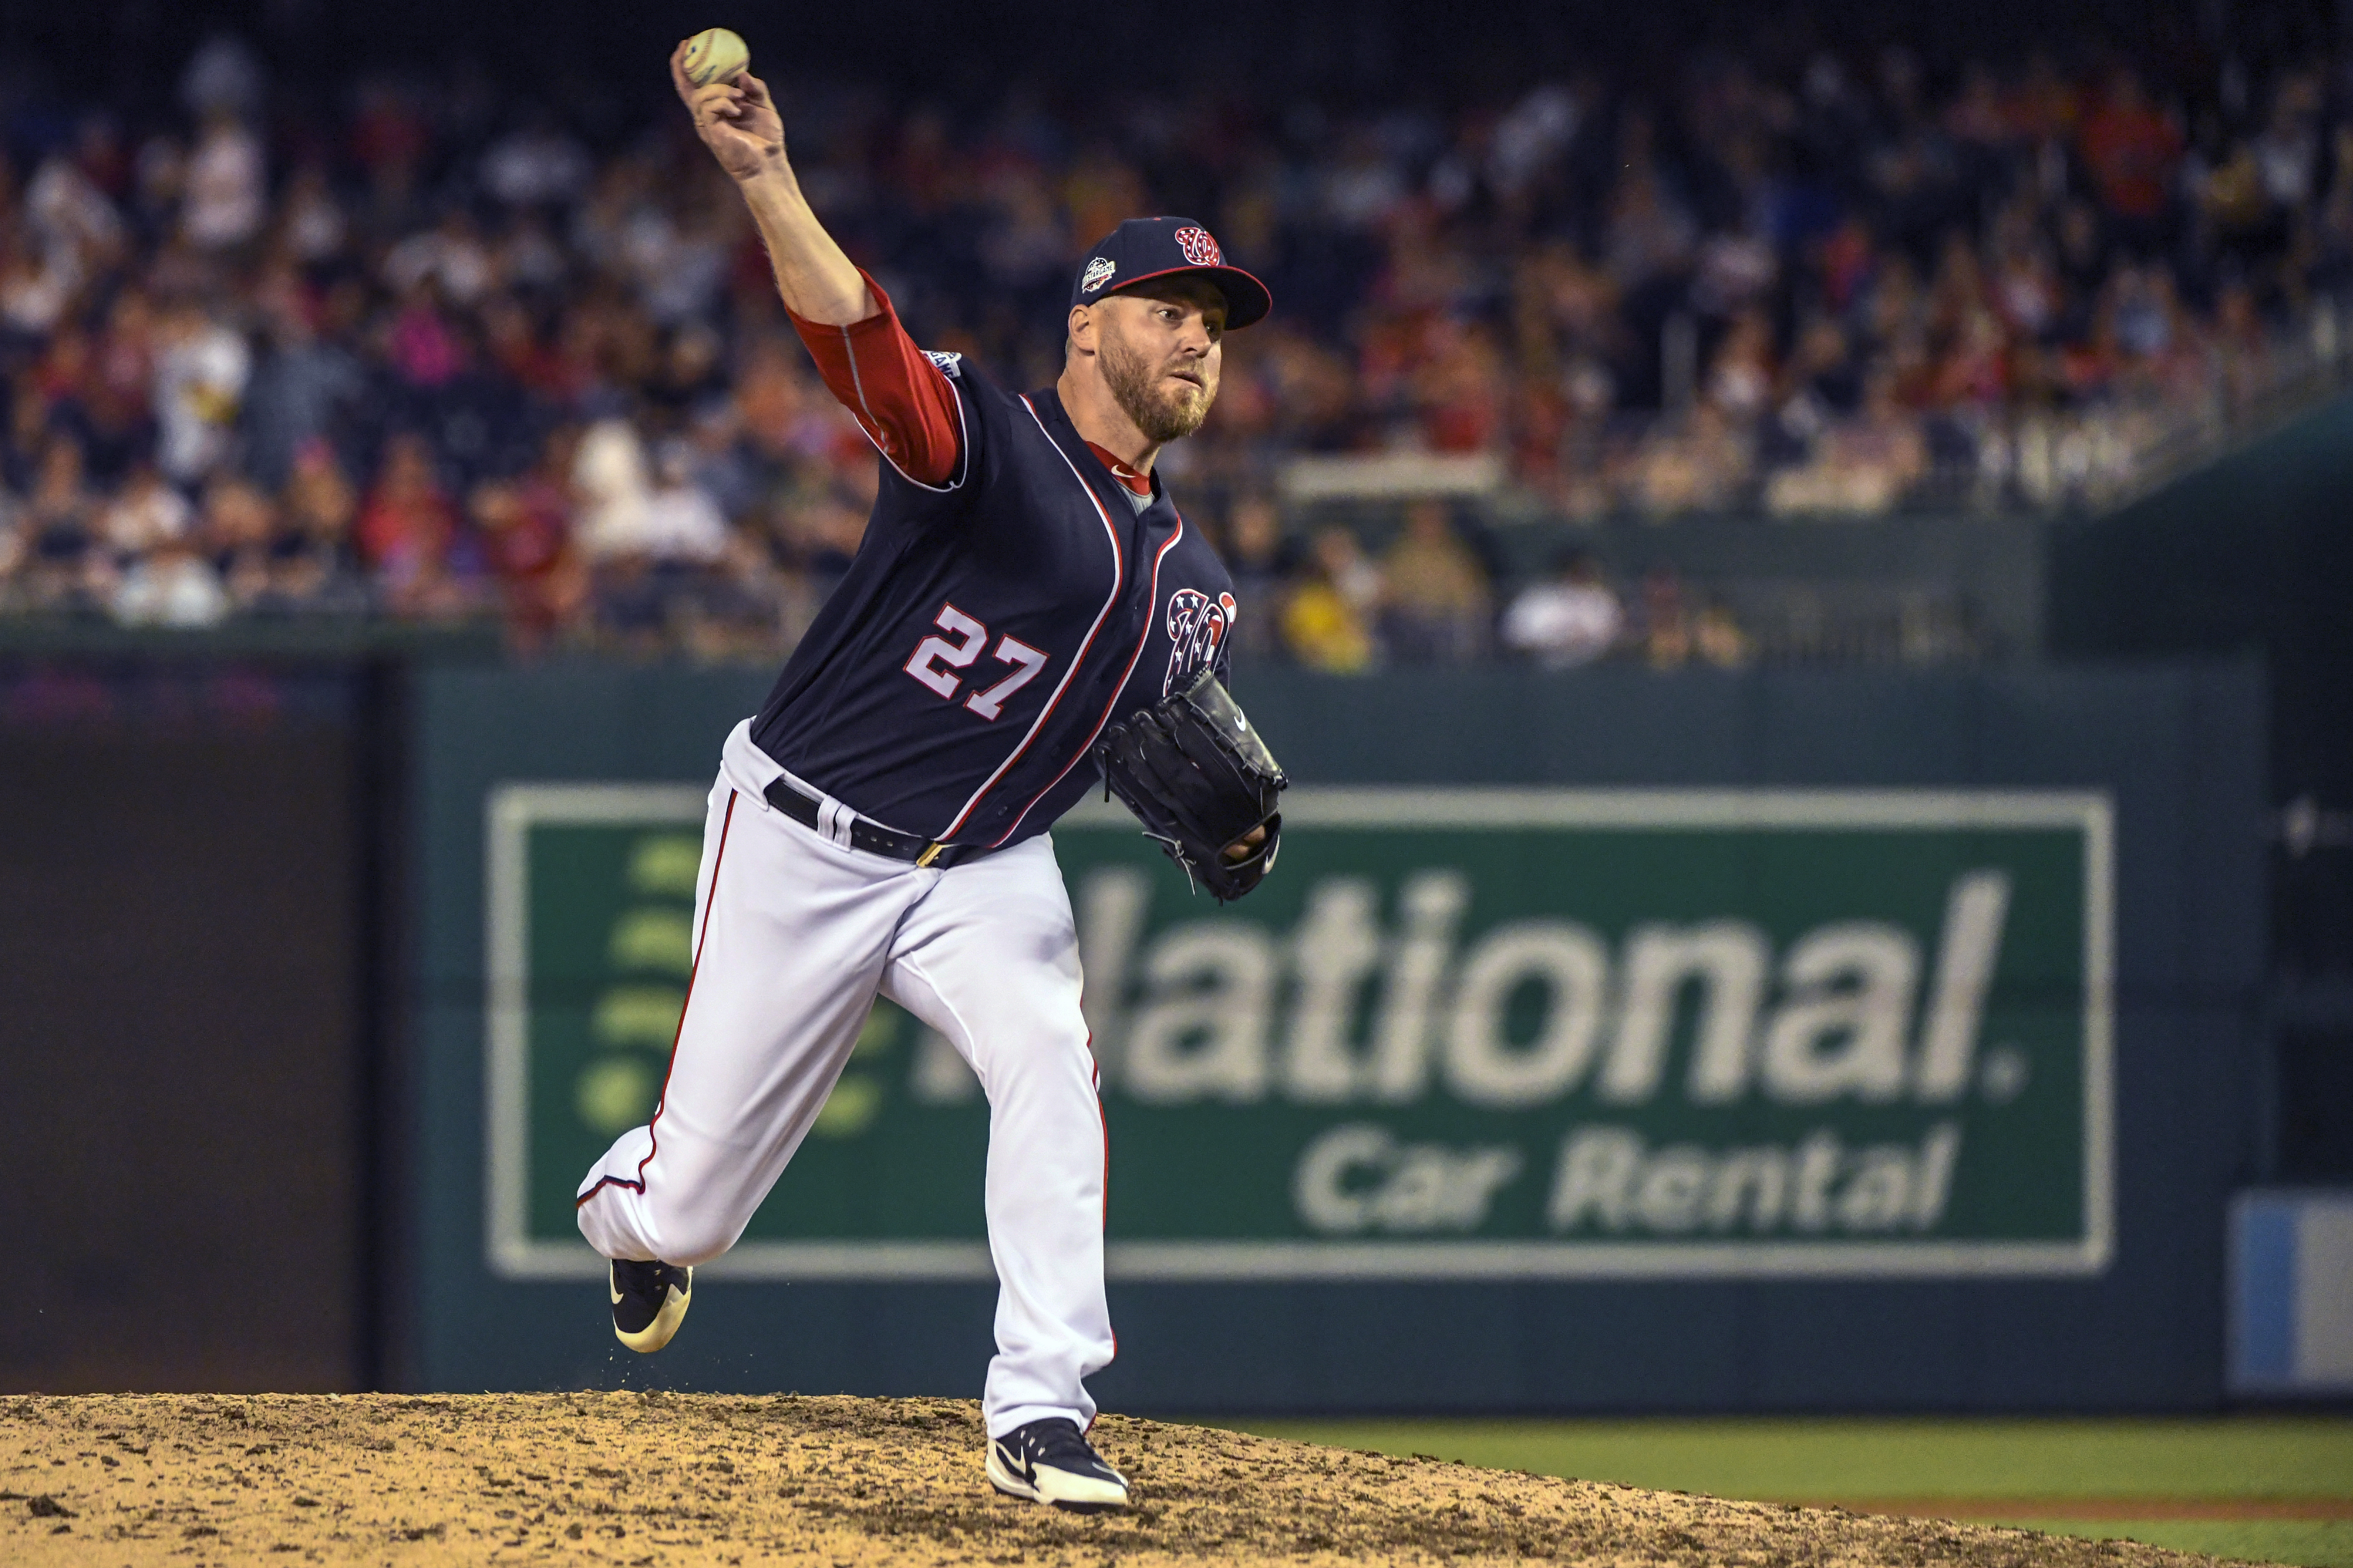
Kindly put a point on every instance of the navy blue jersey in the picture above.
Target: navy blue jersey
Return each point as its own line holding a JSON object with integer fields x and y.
{"x": 991, "y": 627}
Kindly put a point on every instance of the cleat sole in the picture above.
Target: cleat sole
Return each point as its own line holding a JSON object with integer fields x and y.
{"x": 664, "y": 1327}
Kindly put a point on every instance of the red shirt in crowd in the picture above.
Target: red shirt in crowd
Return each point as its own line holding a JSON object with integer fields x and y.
{"x": 2132, "y": 150}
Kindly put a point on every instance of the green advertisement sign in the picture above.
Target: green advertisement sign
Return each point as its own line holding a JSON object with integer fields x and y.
{"x": 1460, "y": 1034}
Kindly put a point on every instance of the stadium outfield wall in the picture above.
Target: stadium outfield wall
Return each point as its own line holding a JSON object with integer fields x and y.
{"x": 1770, "y": 1040}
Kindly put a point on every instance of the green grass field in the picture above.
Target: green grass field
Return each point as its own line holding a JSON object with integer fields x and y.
{"x": 2272, "y": 1489}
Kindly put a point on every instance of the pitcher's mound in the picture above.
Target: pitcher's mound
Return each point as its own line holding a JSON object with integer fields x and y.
{"x": 657, "y": 1479}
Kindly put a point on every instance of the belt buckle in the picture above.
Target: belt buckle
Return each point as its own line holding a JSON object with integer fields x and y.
{"x": 930, "y": 853}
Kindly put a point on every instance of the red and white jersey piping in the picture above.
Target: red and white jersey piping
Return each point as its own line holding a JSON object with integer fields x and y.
{"x": 1142, "y": 642}
{"x": 1118, "y": 582}
{"x": 873, "y": 430}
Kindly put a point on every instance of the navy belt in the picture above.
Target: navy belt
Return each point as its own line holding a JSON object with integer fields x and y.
{"x": 872, "y": 837}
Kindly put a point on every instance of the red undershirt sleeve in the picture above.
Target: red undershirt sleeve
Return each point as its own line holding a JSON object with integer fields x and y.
{"x": 897, "y": 395}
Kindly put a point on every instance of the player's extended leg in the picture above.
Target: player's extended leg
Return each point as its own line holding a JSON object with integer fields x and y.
{"x": 989, "y": 958}
{"x": 792, "y": 935}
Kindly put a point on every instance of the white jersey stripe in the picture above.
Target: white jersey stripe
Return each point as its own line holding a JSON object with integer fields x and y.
{"x": 1118, "y": 582}
{"x": 1151, "y": 614}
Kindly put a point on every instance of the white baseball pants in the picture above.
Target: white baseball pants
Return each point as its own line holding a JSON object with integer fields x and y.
{"x": 796, "y": 936}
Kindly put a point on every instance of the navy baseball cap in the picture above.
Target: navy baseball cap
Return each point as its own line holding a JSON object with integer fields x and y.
{"x": 1147, "y": 247}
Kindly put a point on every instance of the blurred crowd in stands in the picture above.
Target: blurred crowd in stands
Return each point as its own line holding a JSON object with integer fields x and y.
{"x": 446, "y": 358}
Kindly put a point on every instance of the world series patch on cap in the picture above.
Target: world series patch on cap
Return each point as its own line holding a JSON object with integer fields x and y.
{"x": 1143, "y": 248}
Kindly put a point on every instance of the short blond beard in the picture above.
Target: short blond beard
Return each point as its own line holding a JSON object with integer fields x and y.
{"x": 1162, "y": 418}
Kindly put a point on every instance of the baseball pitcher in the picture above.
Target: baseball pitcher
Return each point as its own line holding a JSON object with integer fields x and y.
{"x": 1028, "y": 616}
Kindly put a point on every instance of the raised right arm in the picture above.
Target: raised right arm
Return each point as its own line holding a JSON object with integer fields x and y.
{"x": 738, "y": 122}
{"x": 873, "y": 368}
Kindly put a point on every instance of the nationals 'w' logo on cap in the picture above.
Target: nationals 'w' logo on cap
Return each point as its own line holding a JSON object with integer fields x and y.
{"x": 1200, "y": 249}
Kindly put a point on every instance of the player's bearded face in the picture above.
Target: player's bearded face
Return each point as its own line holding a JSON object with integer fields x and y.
{"x": 1160, "y": 383}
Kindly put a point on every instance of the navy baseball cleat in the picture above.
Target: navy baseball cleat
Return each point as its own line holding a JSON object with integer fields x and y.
{"x": 1051, "y": 1461}
{"x": 649, "y": 1302}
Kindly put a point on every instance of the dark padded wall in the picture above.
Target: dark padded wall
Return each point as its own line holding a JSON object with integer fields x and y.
{"x": 2252, "y": 554}
{"x": 179, "y": 971}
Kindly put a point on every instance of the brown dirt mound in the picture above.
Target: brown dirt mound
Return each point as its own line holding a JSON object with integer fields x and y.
{"x": 653, "y": 1479}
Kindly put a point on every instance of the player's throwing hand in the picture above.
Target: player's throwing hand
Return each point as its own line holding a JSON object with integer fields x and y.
{"x": 736, "y": 119}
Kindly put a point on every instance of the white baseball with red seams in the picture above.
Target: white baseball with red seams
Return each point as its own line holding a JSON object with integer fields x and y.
{"x": 795, "y": 934}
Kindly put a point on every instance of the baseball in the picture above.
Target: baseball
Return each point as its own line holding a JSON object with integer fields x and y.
{"x": 715, "y": 54}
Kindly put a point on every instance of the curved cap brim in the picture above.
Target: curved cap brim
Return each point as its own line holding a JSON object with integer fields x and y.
{"x": 1247, "y": 300}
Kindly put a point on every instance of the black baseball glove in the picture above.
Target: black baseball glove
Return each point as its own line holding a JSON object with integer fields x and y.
{"x": 1200, "y": 781}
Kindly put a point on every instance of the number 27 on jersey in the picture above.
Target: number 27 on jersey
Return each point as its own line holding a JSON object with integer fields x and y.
{"x": 937, "y": 658}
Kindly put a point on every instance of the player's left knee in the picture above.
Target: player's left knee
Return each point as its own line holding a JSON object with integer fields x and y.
{"x": 1029, "y": 1059}
{"x": 691, "y": 1238}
